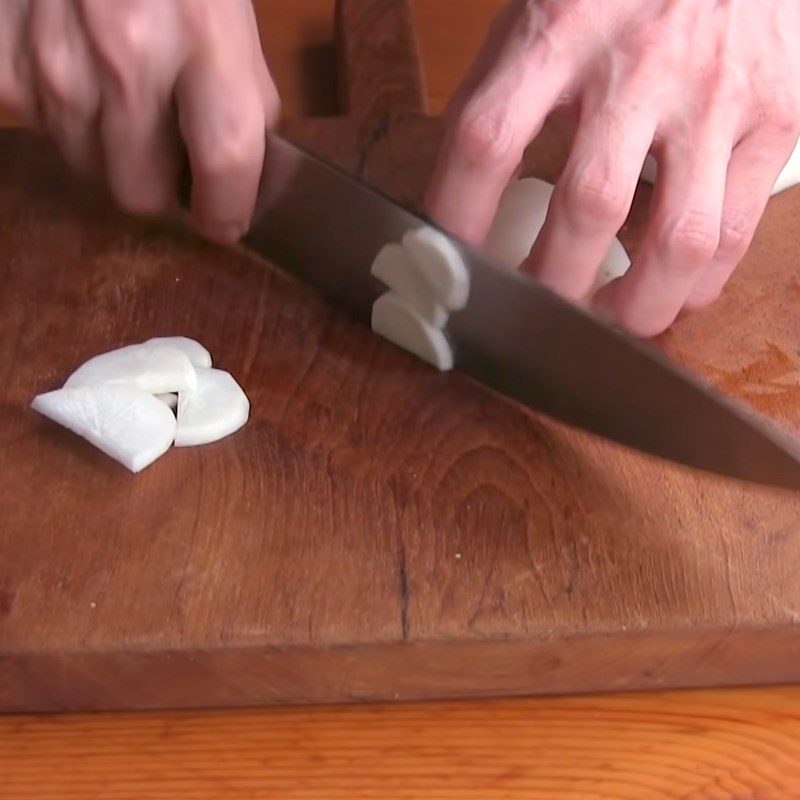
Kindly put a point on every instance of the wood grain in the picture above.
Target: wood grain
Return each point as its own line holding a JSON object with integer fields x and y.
{"x": 377, "y": 531}
{"x": 711, "y": 746}
{"x": 702, "y": 745}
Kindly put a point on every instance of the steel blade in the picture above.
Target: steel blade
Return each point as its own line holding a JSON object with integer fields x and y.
{"x": 516, "y": 336}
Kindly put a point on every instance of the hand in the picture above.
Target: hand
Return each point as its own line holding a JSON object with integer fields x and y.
{"x": 711, "y": 87}
{"x": 119, "y": 83}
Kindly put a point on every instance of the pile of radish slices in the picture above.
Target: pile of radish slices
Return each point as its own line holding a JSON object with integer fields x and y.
{"x": 136, "y": 402}
{"x": 427, "y": 279}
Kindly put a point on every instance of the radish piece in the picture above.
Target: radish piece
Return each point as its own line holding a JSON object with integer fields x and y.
{"x": 126, "y": 423}
{"x": 170, "y": 400}
{"x": 216, "y": 409}
{"x": 440, "y": 264}
{"x": 194, "y": 351}
{"x": 790, "y": 174}
{"x": 788, "y": 177}
{"x": 154, "y": 368}
{"x": 395, "y": 267}
{"x": 396, "y": 320}
{"x": 519, "y": 219}
{"x": 615, "y": 265}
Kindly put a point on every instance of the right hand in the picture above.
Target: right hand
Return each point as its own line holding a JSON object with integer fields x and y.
{"x": 119, "y": 83}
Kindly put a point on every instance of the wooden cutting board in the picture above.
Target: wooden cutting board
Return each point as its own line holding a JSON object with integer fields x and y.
{"x": 378, "y": 530}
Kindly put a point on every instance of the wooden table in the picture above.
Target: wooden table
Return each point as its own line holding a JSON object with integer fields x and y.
{"x": 701, "y": 745}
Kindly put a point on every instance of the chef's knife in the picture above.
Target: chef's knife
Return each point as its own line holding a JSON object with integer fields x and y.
{"x": 514, "y": 335}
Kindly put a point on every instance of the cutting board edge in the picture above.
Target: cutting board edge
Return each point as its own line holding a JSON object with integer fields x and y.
{"x": 397, "y": 671}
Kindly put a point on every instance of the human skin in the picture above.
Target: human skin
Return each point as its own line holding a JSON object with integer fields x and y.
{"x": 711, "y": 87}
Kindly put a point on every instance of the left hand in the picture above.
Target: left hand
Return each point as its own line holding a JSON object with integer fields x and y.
{"x": 711, "y": 87}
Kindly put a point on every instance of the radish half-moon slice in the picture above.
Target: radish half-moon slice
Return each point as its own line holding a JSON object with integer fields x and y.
{"x": 615, "y": 265}
{"x": 394, "y": 267}
{"x": 194, "y": 351}
{"x": 396, "y": 320}
{"x": 126, "y": 423}
{"x": 520, "y": 217}
{"x": 154, "y": 368}
{"x": 788, "y": 177}
{"x": 440, "y": 264}
{"x": 170, "y": 400}
{"x": 790, "y": 174}
{"x": 216, "y": 409}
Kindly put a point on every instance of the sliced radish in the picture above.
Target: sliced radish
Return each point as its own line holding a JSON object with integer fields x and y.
{"x": 615, "y": 265}
{"x": 194, "y": 351}
{"x": 519, "y": 219}
{"x": 440, "y": 264}
{"x": 395, "y": 267}
{"x": 396, "y": 320}
{"x": 790, "y": 174}
{"x": 216, "y": 409}
{"x": 170, "y": 400}
{"x": 154, "y": 368}
{"x": 126, "y": 423}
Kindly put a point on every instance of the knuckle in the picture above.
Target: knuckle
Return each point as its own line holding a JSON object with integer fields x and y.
{"x": 691, "y": 240}
{"x": 53, "y": 69}
{"x": 486, "y": 137}
{"x": 594, "y": 194}
{"x": 124, "y": 42}
{"x": 782, "y": 115}
{"x": 207, "y": 20}
{"x": 736, "y": 232}
{"x": 232, "y": 145}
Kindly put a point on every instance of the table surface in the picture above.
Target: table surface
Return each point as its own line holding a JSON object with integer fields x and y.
{"x": 720, "y": 745}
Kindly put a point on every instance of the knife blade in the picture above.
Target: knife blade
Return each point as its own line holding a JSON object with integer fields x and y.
{"x": 515, "y": 336}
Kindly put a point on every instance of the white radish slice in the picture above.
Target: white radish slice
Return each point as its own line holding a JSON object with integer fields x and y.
{"x": 216, "y": 409}
{"x": 789, "y": 175}
{"x": 615, "y": 265}
{"x": 396, "y": 320}
{"x": 126, "y": 423}
{"x": 170, "y": 400}
{"x": 394, "y": 267}
{"x": 520, "y": 217}
{"x": 154, "y": 368}
{"x": 194, "y": 351}
{"x": 440, "y": 264}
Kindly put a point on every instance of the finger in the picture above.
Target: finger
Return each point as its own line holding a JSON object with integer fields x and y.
{"x": 593, "y": 196}
{"x": 222, "y": 119}
{"x": 17, "y": 93}
{"x": 488, "y": 56}
{"x": 141, "y": 149}
{"x": 487, "y": 135}
{"x": 67, "y": 90}
{"x": 135, "y": 47}
{"x": 681, "y": 238}
{"x": 753, "y": 169}
{"x": 270, "y": 98}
